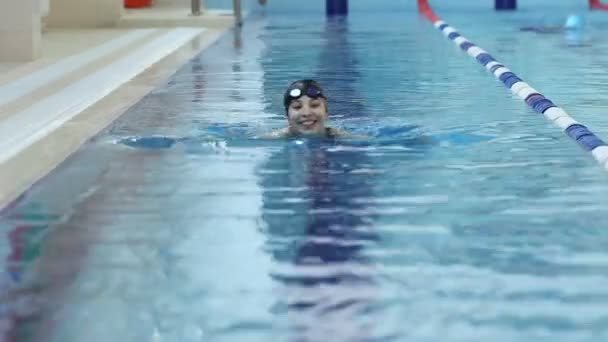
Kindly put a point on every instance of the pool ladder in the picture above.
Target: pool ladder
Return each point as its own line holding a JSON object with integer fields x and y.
{"x": 236, "y": 5}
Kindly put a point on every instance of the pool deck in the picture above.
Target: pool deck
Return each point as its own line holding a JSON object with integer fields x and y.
{"x": 87, "y": 78}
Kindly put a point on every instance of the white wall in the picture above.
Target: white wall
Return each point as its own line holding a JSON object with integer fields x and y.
{"x": 85, "y": 13}
{"x": 44, "y": 7}
{"x": 19, "y": 30}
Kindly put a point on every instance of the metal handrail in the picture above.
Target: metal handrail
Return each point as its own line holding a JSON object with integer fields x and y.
{"x": 236, "y": 4}
{"x": 238, "y": 12}
{"x": 196, "y": 7}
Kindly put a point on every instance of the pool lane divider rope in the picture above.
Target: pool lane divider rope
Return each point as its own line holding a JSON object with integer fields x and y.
{"x": 539, "y": 103}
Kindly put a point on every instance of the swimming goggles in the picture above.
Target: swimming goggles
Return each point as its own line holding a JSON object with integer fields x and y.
{"x": 310, "y": 91}
{"x": 301, "y": 88}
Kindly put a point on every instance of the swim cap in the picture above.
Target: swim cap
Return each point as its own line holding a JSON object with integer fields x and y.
{"x": 299, "y": 88}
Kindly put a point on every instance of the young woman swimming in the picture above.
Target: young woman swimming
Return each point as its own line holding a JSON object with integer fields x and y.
{"x": 307, "y": 114}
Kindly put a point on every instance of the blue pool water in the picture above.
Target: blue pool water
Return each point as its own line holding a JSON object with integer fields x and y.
{"x": 465, "y": 216}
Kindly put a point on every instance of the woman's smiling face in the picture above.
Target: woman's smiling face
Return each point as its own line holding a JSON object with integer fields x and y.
{"x": 307, "y": 115}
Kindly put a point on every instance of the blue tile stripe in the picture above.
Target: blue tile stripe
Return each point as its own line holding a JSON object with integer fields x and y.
{"x": 539, "y": 103}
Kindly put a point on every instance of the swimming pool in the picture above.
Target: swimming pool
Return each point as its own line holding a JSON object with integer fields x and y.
{"x": 466, "y": 217}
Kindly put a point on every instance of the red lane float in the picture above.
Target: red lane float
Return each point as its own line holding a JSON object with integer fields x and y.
{"x": 596, "y": 4}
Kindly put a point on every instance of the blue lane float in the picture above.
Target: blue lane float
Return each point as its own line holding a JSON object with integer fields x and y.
{"x": 501, "y": 5}
{"x": 533, "y": 98}
{"x": 336, "y": 7}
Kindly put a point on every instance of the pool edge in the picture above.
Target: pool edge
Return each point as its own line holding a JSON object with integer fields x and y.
{"x": 33, "y": 163}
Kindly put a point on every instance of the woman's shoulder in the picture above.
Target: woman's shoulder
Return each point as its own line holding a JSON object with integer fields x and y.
{"x": 330, "y": 132}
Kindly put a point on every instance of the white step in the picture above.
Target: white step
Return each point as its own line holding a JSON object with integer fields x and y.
{"x": 24, "y": 128}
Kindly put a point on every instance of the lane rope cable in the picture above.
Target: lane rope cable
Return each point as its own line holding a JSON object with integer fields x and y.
{"x": 539, "y": 103}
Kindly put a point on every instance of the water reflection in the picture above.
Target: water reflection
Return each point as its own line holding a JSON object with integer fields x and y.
{"x": 317, "y": 232}
{"x": 22, "y": 296}
{"x": 339, "y": 70}
{"x": 199, "y": 81}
